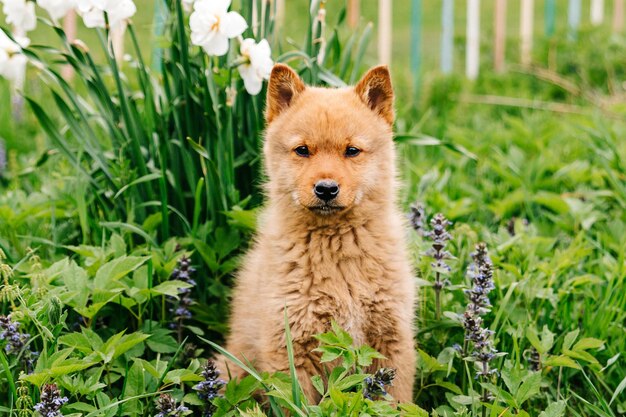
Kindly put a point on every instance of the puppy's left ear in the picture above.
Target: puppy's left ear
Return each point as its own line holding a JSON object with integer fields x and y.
{"x": 377, "y": 93}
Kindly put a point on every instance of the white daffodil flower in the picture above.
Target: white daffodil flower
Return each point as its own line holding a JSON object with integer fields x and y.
{"x": 118, "y": 12}
{"x": 12, "y": 60}
{"x": 20, "y": 14}
{"x": 257, "y": 66}
{"x": 188, "y": 5}
{"x": 212, "y": 25}
{"x": 57, "y": 9}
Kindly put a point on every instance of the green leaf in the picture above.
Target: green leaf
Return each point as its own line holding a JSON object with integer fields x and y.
{"x": 160, "y": 341}
{"x": 349, "y": 381}
{"x": 318, "y": 384}
{"x": 569, "y": 339}
{"x": 178, "y": 376}
{"x": 588, "y": 343}
{"x": 618, "y": 390}
{"x": 412, "y": 410}
{"x": 170, "y": 288}
{"x": 531, "y": 386}
{"x": 561, "y": 360}
{"x": 116, "y": 269}
{"x": 556, "y": 409}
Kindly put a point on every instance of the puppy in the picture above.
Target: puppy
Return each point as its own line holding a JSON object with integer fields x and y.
{"x": 330, "y": 243}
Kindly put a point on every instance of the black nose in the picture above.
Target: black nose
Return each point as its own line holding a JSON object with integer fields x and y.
{"x": 326, "y": 190}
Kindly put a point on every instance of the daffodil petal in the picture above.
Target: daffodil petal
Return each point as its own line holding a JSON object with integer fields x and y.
{"x": 218, "y": 45}
{"x": 233, "y": 25}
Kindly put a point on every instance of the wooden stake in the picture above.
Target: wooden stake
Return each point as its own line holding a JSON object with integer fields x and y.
{"x": 384, "y": 31}
{"x": 573, "y": 17}
{"x": 280, "y": 12}
{"x": 550, "y": 17}
{"x": 416, "y": 46}
{"x": 447, "y": 36}
{"x": 499, "y": 35}
{"x": 472, "y": 56}
{"x": 354, "y": 13}
{"x": 526, "y": 31}
{"x": 69, "y": 27}
{"x": 618, "y": 16}
{"x": 597, "y": 12}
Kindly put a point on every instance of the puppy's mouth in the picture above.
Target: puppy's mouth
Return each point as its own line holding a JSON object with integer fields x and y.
{"x": 325, "y": 209}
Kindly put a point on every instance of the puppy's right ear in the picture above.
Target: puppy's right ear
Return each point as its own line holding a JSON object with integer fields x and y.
{"x": 283, "y": 88}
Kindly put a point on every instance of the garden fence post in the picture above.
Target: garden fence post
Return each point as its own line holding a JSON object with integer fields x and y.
{"x": 354, "y": 13}
{"x": 597, "y": 12}
{"x": 499, "y": 35}
{"x": 416, "y": 45}
{"x": 618, "y": 16}
{"x": 384, "y": 31}
{"x": 280, "y": 12}
{"x": 160, "y": 19}
{"x": 573, "y": 17}
{"x": 526, "y": 31}
{"x": 472, "y": 56}
{"x": 69, "y": 27}
{"x": 447, "y": 36}
{"x": 550, "y": 17}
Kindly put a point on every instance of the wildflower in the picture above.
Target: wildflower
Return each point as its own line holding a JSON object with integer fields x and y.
{"x": 417, "y": 217}
{"x": 208, "y": 389}
{"x": 20, "y": 14}
{"x": 117, "y": 11}
{"x": 12, "y": 60}
{"x": 57, "y": 8}
{"x": 481, "y": 275}
{"x": 183, "y": 272}
{"x": 375, "y": 385}
{"x": 15, "y": 340}
{"x": 440, "y": 237}
{"x": 50, "y": 401}
{"x": 212, "y": 25}
{"x": 166, "y": 407}
{"x": 257, "y": 66}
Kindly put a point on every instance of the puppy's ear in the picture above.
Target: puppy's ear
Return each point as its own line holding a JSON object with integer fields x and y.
{"x": 283, "y": 88}
{"x": 377, "y": 93}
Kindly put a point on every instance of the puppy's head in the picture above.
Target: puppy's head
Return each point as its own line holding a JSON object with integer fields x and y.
{"x": 329, "y": 150}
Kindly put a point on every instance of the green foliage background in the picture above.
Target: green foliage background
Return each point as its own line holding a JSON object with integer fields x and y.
{"x": 89, "y": 233}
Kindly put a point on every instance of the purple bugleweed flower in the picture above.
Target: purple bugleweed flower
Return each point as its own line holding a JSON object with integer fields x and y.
{"x": 209, "y": 389}
{"x": 481, "y": 275}
{"x": 376, "y": 385}
{"x": 50, "y": 401}
{"x": 16, "y": 340}
{"x": 440, "y": 238}
{"x": 417, "y": 216}
{"x": 166, "y": 407}
{"x": 183, "y": 272}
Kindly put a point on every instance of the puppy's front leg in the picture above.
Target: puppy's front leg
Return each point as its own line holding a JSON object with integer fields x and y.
{"x": 399, "y": 351}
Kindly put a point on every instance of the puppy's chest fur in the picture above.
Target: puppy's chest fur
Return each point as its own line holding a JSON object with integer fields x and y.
{"x": 340, "y": 274}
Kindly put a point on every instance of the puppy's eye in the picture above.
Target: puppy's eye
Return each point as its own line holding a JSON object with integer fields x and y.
{"x": 352, "y": 151}
{"x": 302, "y": 151}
